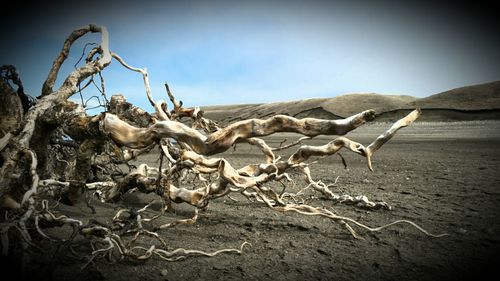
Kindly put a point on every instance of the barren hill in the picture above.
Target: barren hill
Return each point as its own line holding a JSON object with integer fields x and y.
{"x": 466, "y": 103}
{"x": 477, "y": 97}
{"x": 476, "y": 102}
{"x": 329, "y": 108}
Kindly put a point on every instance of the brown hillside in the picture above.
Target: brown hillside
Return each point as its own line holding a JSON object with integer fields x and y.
{"x": 331, "y": 108}
{"x": 476, "y": 97}
{"x": 476, "y": 102}
{"x": 350, "y": 104}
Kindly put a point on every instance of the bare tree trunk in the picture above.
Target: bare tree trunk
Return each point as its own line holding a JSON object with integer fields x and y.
{"x": 46, "y": 111}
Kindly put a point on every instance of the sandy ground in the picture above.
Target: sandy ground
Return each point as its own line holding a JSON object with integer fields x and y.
{"x": 443, "y": 176}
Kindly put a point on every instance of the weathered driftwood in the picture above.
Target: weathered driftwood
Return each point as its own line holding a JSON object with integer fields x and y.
{"x": 96, "y": 145}
{"x": 253, "y": 175}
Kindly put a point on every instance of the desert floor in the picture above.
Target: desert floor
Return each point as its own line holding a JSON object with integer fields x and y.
{"x": 442, "y": 176}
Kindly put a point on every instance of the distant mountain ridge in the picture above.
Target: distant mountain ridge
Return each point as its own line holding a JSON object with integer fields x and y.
{"x": 476, "y": 102}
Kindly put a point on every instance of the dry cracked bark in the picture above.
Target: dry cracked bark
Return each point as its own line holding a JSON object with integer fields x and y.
{"x": 98, "y": 144}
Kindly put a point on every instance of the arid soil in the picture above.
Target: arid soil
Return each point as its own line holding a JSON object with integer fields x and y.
{"x": 442, "y": 176}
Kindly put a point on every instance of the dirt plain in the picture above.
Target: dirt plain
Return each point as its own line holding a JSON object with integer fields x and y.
{"x": 443, "y": 176}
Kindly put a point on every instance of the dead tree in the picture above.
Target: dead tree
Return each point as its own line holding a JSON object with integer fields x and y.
{"x": 95, "y": 144}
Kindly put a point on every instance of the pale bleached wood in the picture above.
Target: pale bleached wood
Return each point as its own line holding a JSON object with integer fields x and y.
{"x": 221, "y": 140}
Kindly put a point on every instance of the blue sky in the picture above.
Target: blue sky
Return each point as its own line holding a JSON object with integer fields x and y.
{"x": 227, "y": 52}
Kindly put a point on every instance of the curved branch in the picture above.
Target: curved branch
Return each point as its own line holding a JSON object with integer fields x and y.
{"x": 387, "y": 135}
{"x": 291, "y": 144}
{"x": 75, "y": 35}
{"x": 224, "y": 138}
{"x": 332, "y": 147}
{"x": 221, "y": 140}
{"x": 306, "y": 151}
{"x": 264, "y": 147}
{"x": 160, "y": 106}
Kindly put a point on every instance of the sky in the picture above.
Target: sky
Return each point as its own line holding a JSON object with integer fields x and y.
{"x": 231, "y": 52}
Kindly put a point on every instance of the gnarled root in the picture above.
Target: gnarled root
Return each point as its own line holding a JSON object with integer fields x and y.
{"x": 312, "y": 211}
